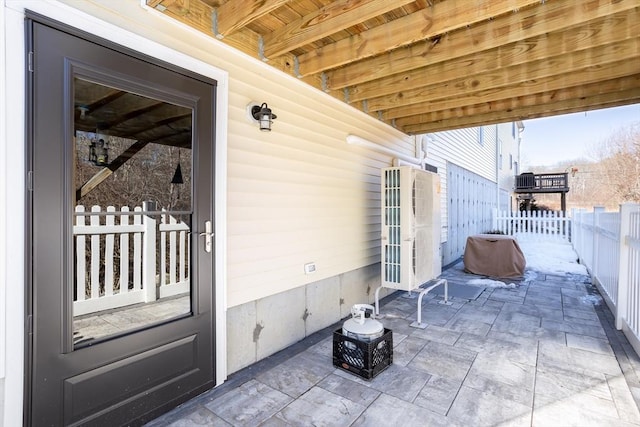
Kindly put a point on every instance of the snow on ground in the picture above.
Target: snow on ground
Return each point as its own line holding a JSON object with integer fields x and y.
{"x": 489, "y": 283}
{"x": 551, "y": 257}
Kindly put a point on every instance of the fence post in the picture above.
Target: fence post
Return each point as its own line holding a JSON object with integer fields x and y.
{"x": 572, "y": 228}
{"x": 149, "y": 252}
{"x": 163, "y": 253}
{"x": 623, "y": 265}
{"x": 81, "y": 267}
{"x": 110, "y": 222}
{"x": 597, "y": 210}
{"x": 137, "y": 250}
{"x": 494, "y": 219}
{"x": 579, "y": 229}
{"x": 94, "y": 220}
{"x": 124, "y": 252}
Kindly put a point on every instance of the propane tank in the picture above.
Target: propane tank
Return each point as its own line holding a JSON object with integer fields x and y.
{"x": 362, "y": 325}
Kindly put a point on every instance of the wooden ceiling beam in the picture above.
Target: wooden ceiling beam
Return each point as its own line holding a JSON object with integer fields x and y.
{"x": 467, "y": 65}
{"x": 108, "y": 170}
{"x": 422, "y": 25}
{"x": 611, "y": 29}
{"x": 531, "y": 107}
{"x": 325, "y": 21}
{"x": 507, "y": 105}
{"x": 548, "y": 84}
{"x": 199, "y": 15}
{"x": 511, "y": 28}
{"x": 153, "y": 3}
{"x": 564, "y": 68}
{"x": 193, "y": 13}
{"x": 235, "y": 14}
{"x": 622, "y": 90}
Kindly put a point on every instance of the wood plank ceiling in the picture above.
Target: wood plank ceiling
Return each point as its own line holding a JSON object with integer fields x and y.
{"x": 432, "y": 65}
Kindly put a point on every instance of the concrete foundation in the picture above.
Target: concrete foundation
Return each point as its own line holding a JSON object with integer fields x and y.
{"x": 260, "y": 328}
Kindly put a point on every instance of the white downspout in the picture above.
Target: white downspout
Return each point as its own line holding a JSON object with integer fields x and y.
{"x": 356, "y": 140}
{"x": 498, "y": 149}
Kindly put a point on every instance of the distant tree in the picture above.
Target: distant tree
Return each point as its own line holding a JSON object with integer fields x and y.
{"x": 620, "y": 164}
{"x": 144, "y": 177}
{"x": 611, "y": 178}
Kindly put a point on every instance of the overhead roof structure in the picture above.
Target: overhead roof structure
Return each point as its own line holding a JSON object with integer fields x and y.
{"x": 432, "y": 65}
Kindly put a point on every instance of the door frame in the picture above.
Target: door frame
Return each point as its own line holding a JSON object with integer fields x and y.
{"x": 15, "y": 64}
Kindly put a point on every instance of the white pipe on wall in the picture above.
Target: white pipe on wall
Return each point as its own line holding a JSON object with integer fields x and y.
{"x": 399, "y": 162}
{"x": 356, "y": 140}
{"x": 498, "y": 164}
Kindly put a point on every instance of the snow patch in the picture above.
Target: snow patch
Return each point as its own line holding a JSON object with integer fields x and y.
{"x": 591, "y": 299}
{"x": 491, "y": 283}
{"x": 551, "y": 257}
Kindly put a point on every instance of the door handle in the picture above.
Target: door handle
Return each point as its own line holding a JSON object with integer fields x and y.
{"x": 208, "y": 234}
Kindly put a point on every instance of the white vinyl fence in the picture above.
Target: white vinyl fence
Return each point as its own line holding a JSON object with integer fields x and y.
{"x": 608, "y": 244}
{"x": 116, "y": 256}
{"x": 535, "y": 225}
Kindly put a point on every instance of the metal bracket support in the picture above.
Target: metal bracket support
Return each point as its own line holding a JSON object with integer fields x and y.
{"x": 418, "y": 323}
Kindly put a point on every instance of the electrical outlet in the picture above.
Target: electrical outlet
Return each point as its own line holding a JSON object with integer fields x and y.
{"x": 310, "y": 268}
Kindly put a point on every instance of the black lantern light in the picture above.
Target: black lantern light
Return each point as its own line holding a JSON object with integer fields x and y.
{"x": 98, "y": 152}
{"x": 264, "y": 116}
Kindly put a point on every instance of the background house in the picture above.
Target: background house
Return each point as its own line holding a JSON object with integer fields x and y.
{"x": 476, "y": 167}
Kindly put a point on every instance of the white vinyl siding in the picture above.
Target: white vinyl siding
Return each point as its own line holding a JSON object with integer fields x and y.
{"x": 300, "y": 193}
{"x": 469, "y": 202}
{"x": 462, "y": 148}
{"x": 509, "y": 137}
{"x": 475, "y": 150}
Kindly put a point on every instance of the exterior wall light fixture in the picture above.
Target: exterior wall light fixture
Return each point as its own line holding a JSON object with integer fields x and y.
{"x": 263, "y": 115}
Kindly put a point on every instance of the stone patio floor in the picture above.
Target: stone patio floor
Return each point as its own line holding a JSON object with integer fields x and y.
{"x": 544, "y": 353}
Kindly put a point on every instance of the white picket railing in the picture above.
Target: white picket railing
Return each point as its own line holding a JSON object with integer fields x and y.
{"x": 174, "y": 278}
{"x": 608, "y": 244}
{"x": 535, "y": 225}
{"x": 125, "y": 242}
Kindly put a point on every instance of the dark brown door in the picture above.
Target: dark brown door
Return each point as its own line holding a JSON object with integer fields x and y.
{"x": 121, "y": 207}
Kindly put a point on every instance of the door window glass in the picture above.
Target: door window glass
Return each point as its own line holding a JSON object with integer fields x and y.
{"x": 132, "y": 212}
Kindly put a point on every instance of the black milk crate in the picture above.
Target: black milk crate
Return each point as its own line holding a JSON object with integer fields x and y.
{"x": 365, "y": 359}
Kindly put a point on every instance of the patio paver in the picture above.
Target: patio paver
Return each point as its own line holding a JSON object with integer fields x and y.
{"x": 542, "y": 353}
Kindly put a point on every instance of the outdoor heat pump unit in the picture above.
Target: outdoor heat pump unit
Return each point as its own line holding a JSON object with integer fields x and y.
{"x": 410, "y": 234}
{"x": 410, "y": 227}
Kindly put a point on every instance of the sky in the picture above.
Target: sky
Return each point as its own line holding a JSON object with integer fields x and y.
{"x": 550, "y": 140}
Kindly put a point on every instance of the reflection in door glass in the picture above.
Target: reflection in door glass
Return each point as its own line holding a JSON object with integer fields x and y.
{"x": 133, "y": 207}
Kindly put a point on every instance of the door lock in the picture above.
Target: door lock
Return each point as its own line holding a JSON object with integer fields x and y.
{"x": 208, "y": 234}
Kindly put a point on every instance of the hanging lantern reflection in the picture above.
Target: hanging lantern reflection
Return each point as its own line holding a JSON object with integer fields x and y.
{"x": 98, "y": 152}
{"x": 177, "y": 176}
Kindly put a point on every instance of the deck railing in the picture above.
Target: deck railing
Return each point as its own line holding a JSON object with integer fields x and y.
{"x": 608, "y": 244}
{"x": 116, "y": 258}
{"x": 544, "y": 182}
{"x": 534, "y": 225}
